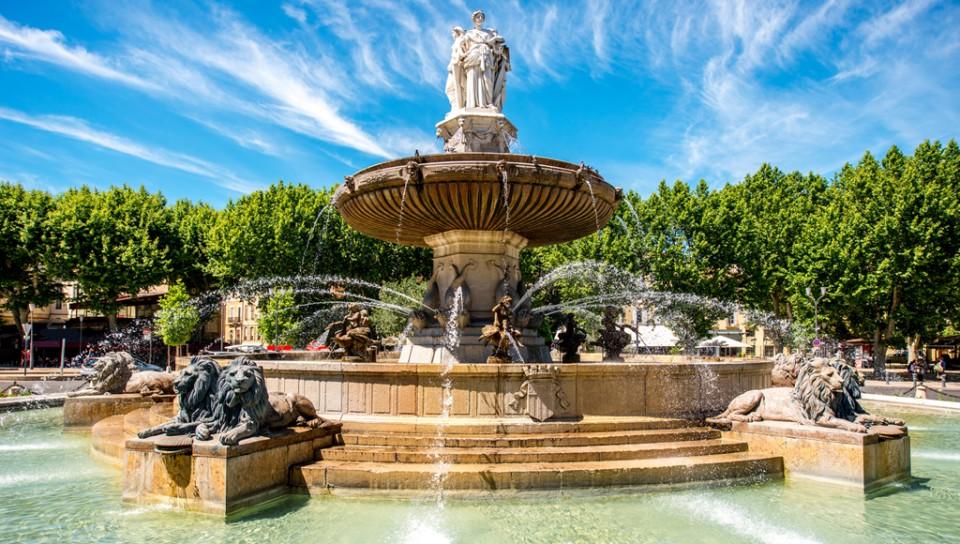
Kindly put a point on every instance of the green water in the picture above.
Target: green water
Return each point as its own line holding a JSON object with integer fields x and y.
{"x": 52, "y": 491}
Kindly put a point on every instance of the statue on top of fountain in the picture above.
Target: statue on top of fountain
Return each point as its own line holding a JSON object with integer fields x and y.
{"x": 355, "y": 335}
{"x": 501, "y": 334}
{"x": 479, "y": 62}
{"x": 476, "y": 87}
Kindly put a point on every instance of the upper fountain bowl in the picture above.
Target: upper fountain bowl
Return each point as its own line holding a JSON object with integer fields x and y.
{"x": 550, "y": 201}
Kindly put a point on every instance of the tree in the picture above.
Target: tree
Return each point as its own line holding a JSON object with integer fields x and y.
{"x": 278, "y": 318}
{"x": 176, "y": 320}
{"x": 111, "y": 243}
{"x": 191, "y": 225}
{"x": 264, "y": 233}
{"x": 25, "y": 246}
{"x": 886, "y": 246}
{"x": 289, "y": 230}
{"x": 389, "y": 322}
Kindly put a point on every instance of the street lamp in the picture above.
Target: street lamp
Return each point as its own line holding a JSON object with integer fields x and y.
{"x": 816, "y": 313}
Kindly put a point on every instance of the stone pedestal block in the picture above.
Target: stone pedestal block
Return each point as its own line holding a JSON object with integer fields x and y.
{"x": 430, "y": 346}
{"x": 79, "y": 412}
{"x": 864, "y": 461}
{"x": 484, "y": 263}
{"x": 219, "y": 479}
{"x": 474, "y": 130}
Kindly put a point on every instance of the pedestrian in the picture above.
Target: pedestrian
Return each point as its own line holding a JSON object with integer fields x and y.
{"x": 915, "y": 371}
{"x": 941, "y": 369}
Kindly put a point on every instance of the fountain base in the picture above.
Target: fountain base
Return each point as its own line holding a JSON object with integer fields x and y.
{"x": 430, "y": 346}
{"x": 219, "y": 479}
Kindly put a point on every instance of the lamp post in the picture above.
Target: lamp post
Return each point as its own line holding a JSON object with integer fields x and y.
{"x": 816, "y": 314}
{"x": 32, "y": 334}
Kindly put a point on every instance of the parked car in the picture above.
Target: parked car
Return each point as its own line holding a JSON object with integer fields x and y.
{"x": 245, "y": 348}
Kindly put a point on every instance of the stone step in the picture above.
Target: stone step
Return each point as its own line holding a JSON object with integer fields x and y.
{"x": 326, "y": 476}
{"x": 135, "y": 421}
{"x": 424, "y": 455}
{"x": 535, "y": 440}
{"x": 107, "y": 438}
{"x": 505, "y": 425}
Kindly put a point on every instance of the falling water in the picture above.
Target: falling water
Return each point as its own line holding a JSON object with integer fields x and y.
{"x": 316, "y": 220}
{"x": 451, "y": 343}
{"x": 596, "y": 215}
{"x": 504, "y": 180}
{"x": 403, "y": 201}
{"x": 515, "y": 346}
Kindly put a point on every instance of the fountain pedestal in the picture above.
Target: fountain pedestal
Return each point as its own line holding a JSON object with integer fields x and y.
{"x": 486, "y": 264}
{"x": 864, "y": 461}
{"x": 219, "y": 479}
{"x": 476, "y": 130}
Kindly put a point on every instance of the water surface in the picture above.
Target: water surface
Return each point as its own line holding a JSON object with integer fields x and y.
{"x": 53, "y": 491}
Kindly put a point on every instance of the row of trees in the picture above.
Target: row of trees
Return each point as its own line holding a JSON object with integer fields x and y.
{"x": 882, "y": 237}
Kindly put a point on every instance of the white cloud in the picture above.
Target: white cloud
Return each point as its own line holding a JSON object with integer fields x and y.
{"x": 78, "y": 129}
{"x": 49, "y": 46}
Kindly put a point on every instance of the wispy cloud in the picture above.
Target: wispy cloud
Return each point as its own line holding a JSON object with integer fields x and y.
{"x": 49, "y": 46}
{"x": 78, "y": 129}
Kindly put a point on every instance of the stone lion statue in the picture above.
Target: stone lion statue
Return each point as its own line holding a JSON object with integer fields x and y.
{"x": 243, "y": 407}
{"x": 196, "y": 388}
{"x": 816, "y": 399}
{"x": 150, "y": 383}
{"x": 785, "y": 368}
{"x": 112, "y": 372}
{"x": 848, "y": 405}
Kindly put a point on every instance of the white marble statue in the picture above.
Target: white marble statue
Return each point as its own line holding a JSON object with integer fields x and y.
{"x": 477, "y": 73}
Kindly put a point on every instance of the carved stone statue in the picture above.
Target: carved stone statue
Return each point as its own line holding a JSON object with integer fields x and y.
{"x": 355, "y": 335}
{"x": 243, "y": 407}
{"x": 785, "y": 369}
{"x": 569, "y": 338}
{"x": 111, "y": 374}
{"x": 196, "y": 388}
{"x": 151, "y": 383}
{"x": 613, "y": 337}
{"x": 820, "y": 397}
{"x": 501, "y": 334}
{"x": 477, "y": 72}
{"x": 541, "y": 394}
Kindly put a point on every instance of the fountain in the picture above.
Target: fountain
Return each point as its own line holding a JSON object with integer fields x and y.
{"x": 475, "y": 401}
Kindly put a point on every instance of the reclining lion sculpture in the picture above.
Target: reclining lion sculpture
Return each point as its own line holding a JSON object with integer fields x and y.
{"x": 243, "y": 407}
{"x": 818, "y": 398}
{"x": 196, "y": 388}
{"x": 112, "y": 371}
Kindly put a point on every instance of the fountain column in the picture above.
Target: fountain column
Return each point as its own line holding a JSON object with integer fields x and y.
{"x": 485, "y": 264}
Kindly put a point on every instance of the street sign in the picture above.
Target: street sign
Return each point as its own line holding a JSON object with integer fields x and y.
{"x": 147, "y": 334}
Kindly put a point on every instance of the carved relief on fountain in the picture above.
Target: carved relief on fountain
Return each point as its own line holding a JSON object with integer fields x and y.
{"x": 481, "y": 264}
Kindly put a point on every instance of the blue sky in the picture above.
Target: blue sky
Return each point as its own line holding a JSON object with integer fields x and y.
{"x": 211, "y": 100}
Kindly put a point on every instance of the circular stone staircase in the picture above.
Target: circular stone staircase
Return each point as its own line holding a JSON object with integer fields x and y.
{"x": 516, "y": 453}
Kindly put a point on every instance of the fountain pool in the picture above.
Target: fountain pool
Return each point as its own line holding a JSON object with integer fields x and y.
{"x": 54, "y": 491}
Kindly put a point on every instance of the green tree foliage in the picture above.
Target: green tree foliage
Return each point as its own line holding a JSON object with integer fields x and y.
{"x": 290, "y": 229}
{"x": 191, "y": 225}
{"x": 25, "y": 246}
{"x": 389, "y": 322}
{"x": 278, "y": 322}
{"x": 886, "y": 246}
{"x": 176, "y": 320}
{"x": 111, "y": 242}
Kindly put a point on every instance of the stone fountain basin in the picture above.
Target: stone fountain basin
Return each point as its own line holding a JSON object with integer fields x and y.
{"x": 550, "y": 201}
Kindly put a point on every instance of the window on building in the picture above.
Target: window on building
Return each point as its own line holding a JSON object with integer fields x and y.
{"x": 58, "y": 304}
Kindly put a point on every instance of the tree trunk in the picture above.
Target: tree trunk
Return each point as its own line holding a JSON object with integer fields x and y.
{"x": 18, "y": 321}
{"x": 112, "y": 321}
{"x": 879, "y": 354}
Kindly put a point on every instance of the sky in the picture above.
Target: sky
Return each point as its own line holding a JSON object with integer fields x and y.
{"x": 212, "y": 100}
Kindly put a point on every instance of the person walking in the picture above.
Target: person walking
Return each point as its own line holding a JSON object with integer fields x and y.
{"x": 915, "y": 371}
{"x": 941, "y": 369}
